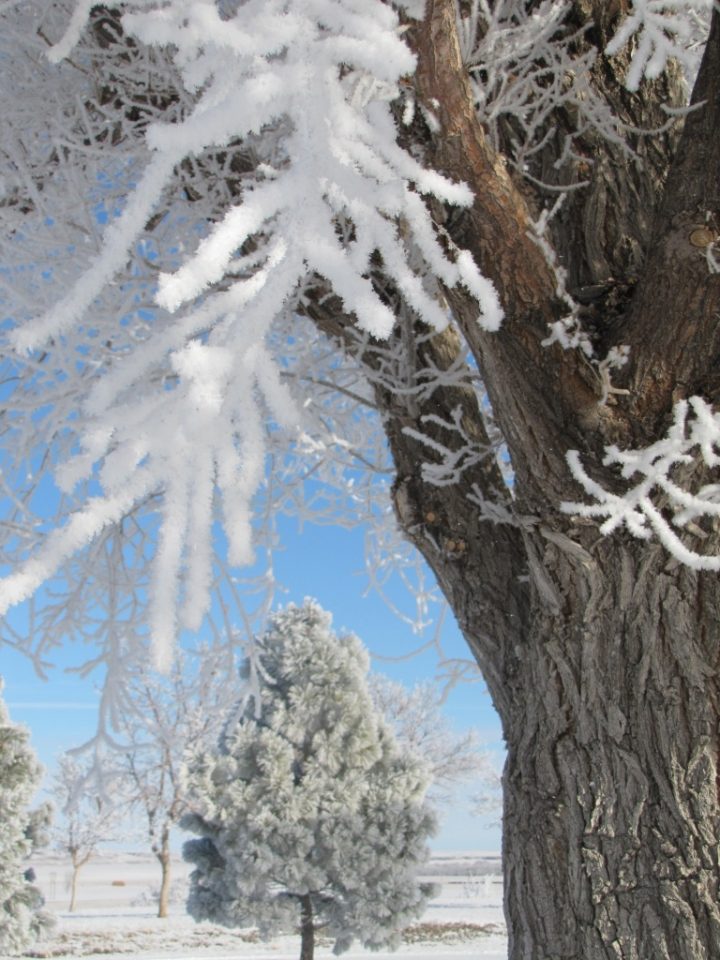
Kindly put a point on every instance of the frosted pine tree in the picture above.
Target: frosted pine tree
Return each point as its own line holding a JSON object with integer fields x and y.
{"x": 22, "y": 919}
{"x": 309, "y": 813}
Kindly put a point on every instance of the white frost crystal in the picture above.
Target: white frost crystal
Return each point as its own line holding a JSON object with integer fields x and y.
{"x": 693, "y": 438}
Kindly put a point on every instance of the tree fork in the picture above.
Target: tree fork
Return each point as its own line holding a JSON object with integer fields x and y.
{"x": 537, "y": 393}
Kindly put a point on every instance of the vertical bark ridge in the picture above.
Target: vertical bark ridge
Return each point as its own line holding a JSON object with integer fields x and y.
{"x": 611, "y": 803}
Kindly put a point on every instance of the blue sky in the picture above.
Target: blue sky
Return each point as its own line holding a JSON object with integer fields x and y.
{"x": 325, "y": 563}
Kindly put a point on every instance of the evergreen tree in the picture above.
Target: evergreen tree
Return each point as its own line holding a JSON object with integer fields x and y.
{"x": 22, "y": 919}
{"x": 309, "y": 811}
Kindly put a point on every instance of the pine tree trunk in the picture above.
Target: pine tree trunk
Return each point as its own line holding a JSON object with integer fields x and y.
{"x": 307, "y": 928}
{"x": 163, "y": 855}
{"x": 612, "y": 822}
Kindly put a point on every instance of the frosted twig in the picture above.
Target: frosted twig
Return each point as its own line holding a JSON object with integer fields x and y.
{"x": 693, "y": 439}
{"x": 453, "y": 460}
{"x": 185, "y": 415}
{"x": 663, "y": 30}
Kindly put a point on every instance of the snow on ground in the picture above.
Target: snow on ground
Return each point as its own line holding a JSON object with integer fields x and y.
{"x": 115, "y": 918}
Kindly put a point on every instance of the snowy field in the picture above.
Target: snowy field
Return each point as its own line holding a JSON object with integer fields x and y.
{"x": 115, "y": 918}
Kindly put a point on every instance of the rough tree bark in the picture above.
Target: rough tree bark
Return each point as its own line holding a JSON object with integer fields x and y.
{"x": 601, "y": 655}
{"x": 611, "y": 825}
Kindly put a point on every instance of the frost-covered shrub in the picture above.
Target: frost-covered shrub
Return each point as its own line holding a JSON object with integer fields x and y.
{"x": 309, "y": 812}
{"x": 22, "y": 919}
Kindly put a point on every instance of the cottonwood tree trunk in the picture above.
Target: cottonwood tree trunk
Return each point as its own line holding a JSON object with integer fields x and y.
{"x": 608, "y": 696}
{"x": 611, "y": 793}
{"x": 601, "y": 655}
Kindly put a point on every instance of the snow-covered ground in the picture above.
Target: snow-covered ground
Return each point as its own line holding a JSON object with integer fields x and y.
{"x": 115, "y": 916}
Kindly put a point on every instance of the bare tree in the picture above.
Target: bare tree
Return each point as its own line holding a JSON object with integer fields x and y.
{"x": 416, "y": 718}
{"x": 536, "y": 341}
{"x": 88, "y": 817}
{"x": 168, "y": 717}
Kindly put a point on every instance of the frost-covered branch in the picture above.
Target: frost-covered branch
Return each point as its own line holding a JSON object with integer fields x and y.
{"x": 193, "y": 152}
{"x": 183, "y": 418}
{"x": 526, "y": 66}
{"x": 532, "y": 75}
{"x": 658, "y": 501}
{"x": 662, "y": 30}
{"x": 418, "y": 723}
{"x": 461, "y": 453}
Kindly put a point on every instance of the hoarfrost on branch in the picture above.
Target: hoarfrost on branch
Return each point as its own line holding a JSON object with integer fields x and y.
{"x": 322, "y": 77}
{"x": 664, "y": 30}
{"x": 693, "y": 439}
